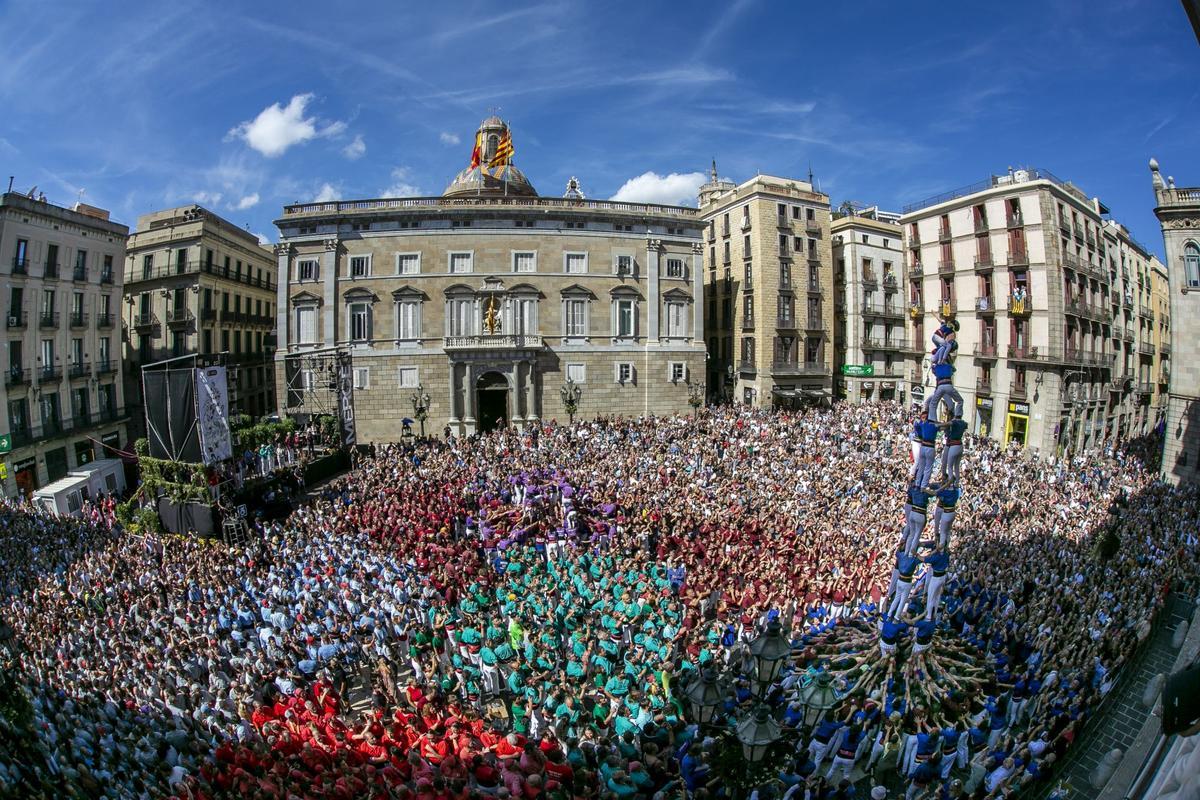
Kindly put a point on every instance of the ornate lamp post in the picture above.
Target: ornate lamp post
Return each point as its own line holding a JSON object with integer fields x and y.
{"x": 570, "y": 393}
{"x": 817, "y": 698}
{"x": 695, "y": 396}
{"x": 757, "y": 733}
{"x": 769, "y": 650}
{"x": 704, "y": 695}
{"x": 420, "y": 403}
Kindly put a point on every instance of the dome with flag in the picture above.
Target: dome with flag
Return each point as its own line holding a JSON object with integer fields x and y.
{"x": 491, "y": 171}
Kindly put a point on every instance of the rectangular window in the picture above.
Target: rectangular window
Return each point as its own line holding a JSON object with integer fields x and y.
{"x": 362, "y": 377}
{"x": 306, "y": 325}
{"x": 460, "y": 263}
{"x": 676, "y": 320}
{"x": 306, "y": 269}
{"x": 745, "y": 247}
{"x": 360, "y": 266}
{"x": 408, "y": 377}
{"x": 576, "y": 318}
{"x": 408, "y": 263}
{"x": 577, "y": 373}
{"x": 784, "y": 241}
{"x": 674, "y": 267}
{"x": 624, "y": 372}
{"x": 576, "y": 263}
{"x": 524, "y": 262}
{"x": 748, "y": 311}
{"x": 625, "y": 318}
{"x": 47, "y": 302}
{"x": 408, "y": 326}
{"x": 360, "y": 322}
{"x": 677, "y": 372}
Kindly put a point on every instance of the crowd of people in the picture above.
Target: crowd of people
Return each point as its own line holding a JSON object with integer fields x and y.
{"x": 517, "y": 615}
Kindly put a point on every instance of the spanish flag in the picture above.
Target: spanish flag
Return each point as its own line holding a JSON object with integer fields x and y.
{"x": 504, "y": 151}
{"x": 477, "y": 153}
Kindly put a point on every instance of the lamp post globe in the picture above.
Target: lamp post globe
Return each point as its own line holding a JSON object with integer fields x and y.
{"x": 704, "y": 695}
{"x": 769, "y": 650}
{"x": 817, "y": 698}
{"x": 757, "y": 733}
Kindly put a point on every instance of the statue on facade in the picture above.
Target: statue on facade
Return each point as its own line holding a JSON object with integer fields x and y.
{"x": 491, "y": 317}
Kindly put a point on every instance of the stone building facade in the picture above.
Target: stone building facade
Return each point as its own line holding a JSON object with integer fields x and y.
{"x": 1178, "y": 212}
{"x": 769, "y": 276}
{"x": 490, "y": 298}
{"x": 1030, "y": 267}
{"x": 196, "y": 284}
{"x": 872, "y": 354}
{"x": 63, "y": 396}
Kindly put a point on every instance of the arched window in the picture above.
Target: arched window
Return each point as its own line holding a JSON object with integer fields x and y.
{"x": 1191, "y": 265}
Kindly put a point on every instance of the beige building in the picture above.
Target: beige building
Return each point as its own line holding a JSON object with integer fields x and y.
{"x": 770, "y": 291}
{"x": 62, "y": 389}
{"x": 1022, "y": 261}
{"x": 1178, "y": 212}
{"x": 196, "y": 284}
{"x": 872, "y": 354}
{"x": 491, "y": 298}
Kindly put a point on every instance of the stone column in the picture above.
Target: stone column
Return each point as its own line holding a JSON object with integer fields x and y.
{"x": 283, "y": 252}
{"x": 698, "y": 294}
{"x": 653, "y": 248}
{"x": 469, "y": 398}
{"x": 518, "y": 395}
{"x": 329, "y": 289}
{"x": 531, "y": 412}
{"x": 454, "y": 421}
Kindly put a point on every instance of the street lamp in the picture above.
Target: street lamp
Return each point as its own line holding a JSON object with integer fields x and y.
{"x": 817, "y": 698}
{"x": 695, "y": 396}
{"x": 769, "y": 650}
{"x": 757, "y": 733}
{"x": 420, "y": 403}
{"x": 705, "y": 695}
{"x": 570, "y": 393}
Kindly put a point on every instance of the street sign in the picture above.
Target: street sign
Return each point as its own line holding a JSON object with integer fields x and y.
{"x": 858, "y": 370}
{"x": 5, "y": 442}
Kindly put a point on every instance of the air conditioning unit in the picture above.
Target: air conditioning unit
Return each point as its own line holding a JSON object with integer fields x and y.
{"x": 12, "y": 322}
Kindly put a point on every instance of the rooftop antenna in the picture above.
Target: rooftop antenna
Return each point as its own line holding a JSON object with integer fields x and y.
{"x": 11, "y": 178}
{"x": 79, "y": 195}
{"x": 810, "y": 175}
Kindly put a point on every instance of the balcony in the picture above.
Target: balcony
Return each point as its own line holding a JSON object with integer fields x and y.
{"x": 748, "y": 323}
{"x": 106, "y": 276}
{"x": 20, "y": 266}
{"x": 985, "y": 305}
{"x": 785, "y": 322}
{"x": 983, "y": 385}
{"x": 914, "y": 241}
{"x": 78, "y": 319}
{"x": 948, "y": 308}
{"x": 106, "y": 367}
{"x": 1129, "y": 335}
{"x": 1145, "y": 387}
{"x": 50, "y": 271}
{"x": 104, "y": 320}
{"x": 814, "y": 287}
{"x": 1016, "y": 353}
{"x": 80, "y": 369}
{"x": 786, "y": 367}
{"x": 883, "y": 343}
{"x": 886, "y": 310}
{"x": 48, "y": 320}
{"x": 79, "y": 275}
{"x": 945, "y": 267}
{"x": 814, "y": 324}
{"x": 889, "y": 283}
{"x": 1017, "y": 258}
{"x": 812, "y": 226}
{"x": 1078, "y": 232}
{"x": 983, "y": 262}
{"x": 16, "y": 320}
{"x": 916, "y": 270}
{"x": 179, "y": 317}
{"x": 49, "y": 374}
{"x": 1117, "y": 333}
{"x": 1146, "y": 348}
{"x": 915, "y": 311}
{"x": 984, "y": 351}
{"x": 208, "y": 315}
{"x": 1070, "y": 262}
{"x": 747, "y": 369}
{"x": 1014, "y": 221}
{"x": 1127, "y": 302}
{"x": 1018, "y": 390}
{"x": 870, "y": 279}
{"x": 499, "y": 341}
{"x": 16, "y": 376}
{"x": 745, "y": 223}
{"x": 145, "y": 323}
{"x": 158, "y": 271}
{"x": 781, "y": 221}
{"x": 1064, "y": 226}
{"x": 943, "y": 234}
{"x": 1164, "y": 348}
{"x": 1164, "y": 375}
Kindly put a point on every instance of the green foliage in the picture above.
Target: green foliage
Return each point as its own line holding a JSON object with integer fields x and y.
{"x": 253, "y": 436}
{"x": 331, "y": 429}
{"x": 137, "y": 519}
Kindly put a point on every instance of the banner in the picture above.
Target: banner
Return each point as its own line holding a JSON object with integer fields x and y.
{"x": 212, "y": 414}
{"x": 346, "y": 401}
{"x": 169, "y": 395}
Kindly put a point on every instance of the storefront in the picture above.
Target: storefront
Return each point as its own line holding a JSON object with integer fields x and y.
{"x": 983, "y": 415}
{"x": 866, "y": 391}
{"x": 25, "y": 476}
{"x": 1016, "y": 424}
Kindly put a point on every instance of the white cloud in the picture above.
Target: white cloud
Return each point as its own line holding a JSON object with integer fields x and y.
{"x": 356, "y": 149}
{"x": 650, "y": 187}
{"x": 401, "y": 185}
{"x": 263, "y": 238}
{"x": 449, "y": 138}
{"x": 207, "y": 198}
{"x": 327, "y": 194}
{"x": 276, "y": 128}
{"x": 249, "y": 201}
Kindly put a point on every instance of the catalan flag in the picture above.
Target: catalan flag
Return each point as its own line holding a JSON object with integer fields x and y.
{"x": 477, "y": 153}
{"x": 504, "y": 151}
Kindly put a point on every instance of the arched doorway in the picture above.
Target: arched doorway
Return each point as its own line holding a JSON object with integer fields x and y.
{"x": 491, "y": 391}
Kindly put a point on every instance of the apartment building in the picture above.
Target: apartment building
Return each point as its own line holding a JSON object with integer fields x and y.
{"x": 872, "y": 353}
{"x": 62, "y": 388}
{"x": 769, "y": 277}
{"x": 1160, "y": 371}
{"x": 196, "y": 284}
{"x": 1178, "y": 212}
{"x": 1021, "y": 261}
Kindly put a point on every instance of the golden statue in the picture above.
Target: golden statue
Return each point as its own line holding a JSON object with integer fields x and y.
{"x": 491, "y": 317}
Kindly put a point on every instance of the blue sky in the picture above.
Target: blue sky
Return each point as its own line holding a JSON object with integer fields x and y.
{"x": 247, "y": 106}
